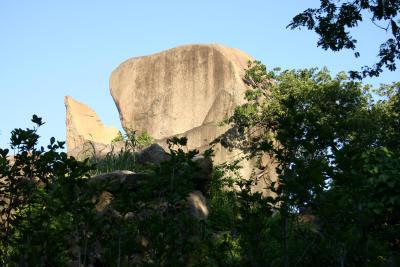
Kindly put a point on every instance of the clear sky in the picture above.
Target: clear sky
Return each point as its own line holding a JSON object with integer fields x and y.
{"x": 49, "y": 49}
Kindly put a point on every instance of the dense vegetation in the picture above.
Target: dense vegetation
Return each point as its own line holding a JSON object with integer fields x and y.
{"x": 338, "y": 158}
{"x": 337, "y": 154}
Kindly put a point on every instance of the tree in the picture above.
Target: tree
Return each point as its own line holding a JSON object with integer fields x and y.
{"x": 333, "y": 20}
{"x": 337, "y": 158}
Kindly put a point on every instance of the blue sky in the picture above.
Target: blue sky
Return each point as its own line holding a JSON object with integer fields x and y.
{"x": 50, "y": 49}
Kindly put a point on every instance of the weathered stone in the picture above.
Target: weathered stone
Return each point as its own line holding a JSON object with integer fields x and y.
{"x": 127, "y": 180}
{"x": 154, "y": 154}
{"x": 104, "y": 201}
{"x": 203, "y": 175}
{"x": 179, "y": 90}
{"x": 84, "y": 126}
{"x": 90, "y": 149}
{"x": 197, "y": 205}
{"x": 185, "y": 91}
{"x": 118, "y": 180}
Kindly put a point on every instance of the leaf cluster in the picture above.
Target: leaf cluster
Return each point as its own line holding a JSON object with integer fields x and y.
{"x": 333, "y": 20}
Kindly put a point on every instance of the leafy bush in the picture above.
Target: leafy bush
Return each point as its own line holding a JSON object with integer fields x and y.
{"x": 50, "y": 214}
{"x": 118, "y": 138}
{"x": 325, "y": 134}
{"x": 45, "y": 201}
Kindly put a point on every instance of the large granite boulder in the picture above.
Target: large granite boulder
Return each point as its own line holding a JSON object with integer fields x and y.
{"x": 184, "y": 91}
{"x": 188, "y": 89}
{"x": 85, "y": 127}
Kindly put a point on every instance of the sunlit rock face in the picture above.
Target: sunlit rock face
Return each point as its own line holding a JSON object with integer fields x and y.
{"x": 179, "y": 90}
{"x": 83, "y": 126}
{"x": 184, "y": 91}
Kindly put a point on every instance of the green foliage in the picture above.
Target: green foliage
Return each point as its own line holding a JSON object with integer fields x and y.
{"x": 136, "y": 142}
{"x": 333, "y": 19}
{"x": 125, "y": 159}
{"x": 118, "y": 138}
{"x": 326, "y": 134}
{"x": 51, "y": 219}
{"x": 42, "y": 193}
{"x": 336, "y": 201}
{"x": 144, "y": 140}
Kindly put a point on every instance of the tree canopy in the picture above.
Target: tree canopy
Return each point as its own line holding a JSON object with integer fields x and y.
{"x": 337, "y": 156}
{"x": 333, "y": 20}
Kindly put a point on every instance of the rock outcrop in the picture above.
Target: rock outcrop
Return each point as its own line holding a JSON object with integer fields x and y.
{"x": 121, "y": 181}
{"x": 184, "y": 91}
{"x": 83, "y": 126}
{"x": 188, "y": 89}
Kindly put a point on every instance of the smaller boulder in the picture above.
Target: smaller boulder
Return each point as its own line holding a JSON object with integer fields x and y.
{"x": 197, "y": 205}
{"x": 104, "y": 201}
{"x": 154, "y": 154}
{"x": 203, "y": 176}
{"x": 115, "y": 181}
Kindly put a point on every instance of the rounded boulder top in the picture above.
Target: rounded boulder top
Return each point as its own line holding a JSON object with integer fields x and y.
{"x": 180, "y": 89}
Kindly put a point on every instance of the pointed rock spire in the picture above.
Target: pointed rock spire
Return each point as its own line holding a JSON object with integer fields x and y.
{"x": 84, "y": 125}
